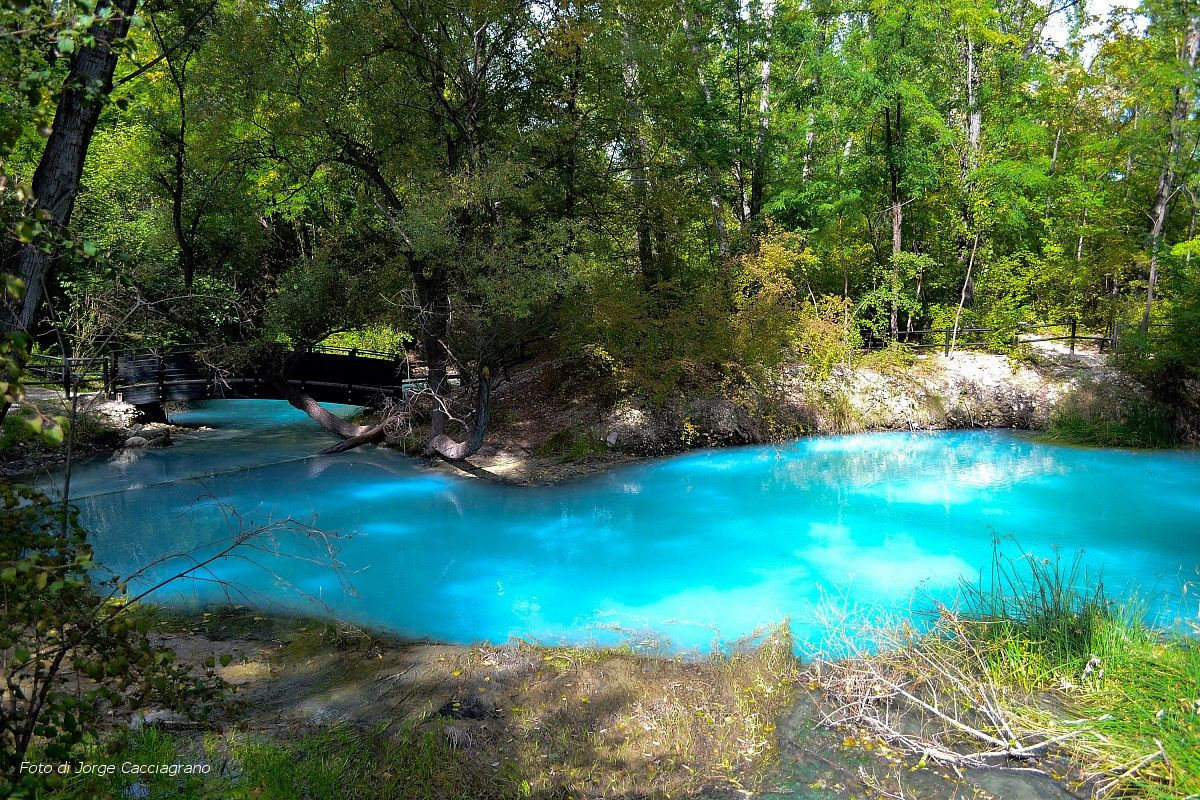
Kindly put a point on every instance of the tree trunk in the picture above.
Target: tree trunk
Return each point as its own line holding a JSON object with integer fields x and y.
{"x": 810, "y": 136}
{"x": 892, "y": 134}
{"x": 710, "y": 171}
{"x": 176, "y": 183}
{"x": 433, "y": 328}
{"x": 974, "y": 109}
{"x": 758, "y": 180}
{"x": 897, "y": 248}
{"x": 1166, "y": 178}
{"x": 969, "y": 163}
{"x": 962, "y": 299}
{"x": 56, "y": 179}
{"x": 636, "y": 155}
{"x": 1129, "y": 153}
{"x": 451, "y": 450}
{"x": 327, "y": 420}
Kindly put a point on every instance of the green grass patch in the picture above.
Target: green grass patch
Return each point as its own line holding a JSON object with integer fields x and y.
{"x": 1044, "y": 625}
{"x": 16, "y": 433}
{"x": 571, "y": 444}
{"x": 1142, "y": 424}
{"x": 1035, "y": 667}
{"x": 341, "y": 763}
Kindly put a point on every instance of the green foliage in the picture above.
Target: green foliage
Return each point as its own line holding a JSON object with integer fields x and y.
{"x": 1085, "y": 418}
{"x": 670, "y": 335}
{"x": 893, "y": 358}
{"x": 381, "y": 338}
{"x": 765, "y": 298}
{"x": 571, "y": 444}
{"x": 1054, "y": 608}
{"x": 72, "y": 650}
{"x": 1043, "y": 625}
{"x": 334, "y": 292}
{"x": 574, "y": 190}
{"x": 827, "y": 336}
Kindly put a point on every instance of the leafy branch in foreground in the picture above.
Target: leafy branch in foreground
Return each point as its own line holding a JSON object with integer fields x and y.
{"x": 68, "y": 655}
{"x": 71, "y": 651}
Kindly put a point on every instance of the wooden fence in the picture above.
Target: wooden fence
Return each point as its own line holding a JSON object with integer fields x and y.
{"x": 966, "y": 337}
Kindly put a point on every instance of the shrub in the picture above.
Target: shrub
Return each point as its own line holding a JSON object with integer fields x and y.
{"x": 72, "y": 649}
{"x": 1089, "y": 417}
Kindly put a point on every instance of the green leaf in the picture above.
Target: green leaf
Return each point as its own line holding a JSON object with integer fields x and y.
{"x": 14, "y": 287}
{"x": 65, "y": 44}
{"x": 27, "y": 230}
{"x": 53, "y": 433}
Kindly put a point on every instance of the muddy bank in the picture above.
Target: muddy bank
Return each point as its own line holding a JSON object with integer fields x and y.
{"x": 570, "y": 722}
{"x": 540, "y": 722}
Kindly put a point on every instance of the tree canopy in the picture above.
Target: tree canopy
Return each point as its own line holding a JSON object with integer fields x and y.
{"x": 679, "y": 188}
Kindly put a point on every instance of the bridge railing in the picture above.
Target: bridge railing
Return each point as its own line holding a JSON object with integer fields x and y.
{"x": 44, "y": 369}
{"x": 330, "y": 373}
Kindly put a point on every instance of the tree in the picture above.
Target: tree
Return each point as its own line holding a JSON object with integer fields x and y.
{"x": 56, "y": 180}
{"x": 1165, "y": 187}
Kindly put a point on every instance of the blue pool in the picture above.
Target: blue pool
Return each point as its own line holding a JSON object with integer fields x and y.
{"x": 686, "y": 550}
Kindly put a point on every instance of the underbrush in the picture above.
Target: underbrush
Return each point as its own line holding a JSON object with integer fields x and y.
{"x": 571, "y": 444}
{"x": 1143, "y": 427}
{"x": 16, "y": 433}
{"x": 1035, "y": 668}
{"x": 1090, "y": 417}
{"x": 20, "y": 435}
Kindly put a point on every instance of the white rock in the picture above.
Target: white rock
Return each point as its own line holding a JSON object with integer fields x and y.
{"x": 136, "y": 441}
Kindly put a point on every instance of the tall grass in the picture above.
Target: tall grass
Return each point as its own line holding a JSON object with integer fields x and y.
{"x": 339, "y": 763}
{"x": 1047, "y": 618}
{"x": 1142, "y": 424}
{"x": 1036, "y": 655}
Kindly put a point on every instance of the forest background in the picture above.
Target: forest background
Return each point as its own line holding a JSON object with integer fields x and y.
{"x": 661, "y": 191}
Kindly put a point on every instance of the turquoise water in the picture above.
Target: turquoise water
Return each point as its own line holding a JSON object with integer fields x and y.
{"x": 707, "y": 545}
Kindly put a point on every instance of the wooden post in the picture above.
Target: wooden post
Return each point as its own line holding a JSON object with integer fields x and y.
{"x": 162, "y": 378}
{"x": 948, "y": 340}
{"x": 1074, "y": 322}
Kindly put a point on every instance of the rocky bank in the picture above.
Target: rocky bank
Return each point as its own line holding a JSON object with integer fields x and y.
{"x": 934, "y": 392}
{"x": 546, "y": 430}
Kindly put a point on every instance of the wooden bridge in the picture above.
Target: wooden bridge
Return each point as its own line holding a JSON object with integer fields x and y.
{"x": 175, "y": 374}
